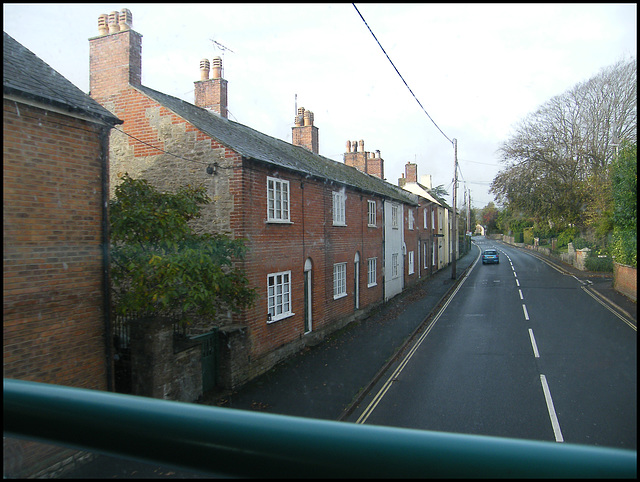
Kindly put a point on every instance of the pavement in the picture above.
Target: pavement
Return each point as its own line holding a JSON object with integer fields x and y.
{"x": 327, "y": 381}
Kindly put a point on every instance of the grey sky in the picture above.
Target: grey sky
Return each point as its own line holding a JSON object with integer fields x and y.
{"x": 476, "y": 68}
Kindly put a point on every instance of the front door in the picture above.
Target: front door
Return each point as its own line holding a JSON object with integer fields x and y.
{"x": 209, "y": 360}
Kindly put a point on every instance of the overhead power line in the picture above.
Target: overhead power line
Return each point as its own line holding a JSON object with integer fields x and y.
{"x": 402, "y": 78}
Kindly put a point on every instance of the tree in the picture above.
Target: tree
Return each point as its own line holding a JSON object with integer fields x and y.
{"x": 160, "y": 266}
{"x": 557, "y": 161}
{"x": 489, "y": 217}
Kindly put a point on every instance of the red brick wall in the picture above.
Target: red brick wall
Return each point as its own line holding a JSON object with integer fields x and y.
{"x": 626, "y": 280}
{"x": 53, "y": 316}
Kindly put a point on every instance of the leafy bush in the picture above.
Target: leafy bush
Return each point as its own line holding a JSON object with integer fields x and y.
{"x": 544, "y": 231}
{"x": 581, "y": 243}
{"x": 160, "y": 265}
{"x": 625, "y": 247}
{"x": 595, "y": 263}
{"x": 518, "y": 237}
{"x": 527, "y": 235}
{"x": 567, "y": 236}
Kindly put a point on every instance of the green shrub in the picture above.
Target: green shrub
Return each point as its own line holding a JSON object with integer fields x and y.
{"x": 581, "y": 243}
{"x": 595, "y": 263}
{"x": 625, "y": 247}
{"x": 567, "y": 236}
{"x": 527, "y": 235}
{"x": 518, "y": 238}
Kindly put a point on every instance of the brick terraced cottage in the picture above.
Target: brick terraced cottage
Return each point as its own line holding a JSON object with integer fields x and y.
{"x": 55, "y": 311}
{"x": 326, "y": 239}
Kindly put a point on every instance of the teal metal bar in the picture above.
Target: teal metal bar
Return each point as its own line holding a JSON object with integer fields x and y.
{"x": 226, "y": 441}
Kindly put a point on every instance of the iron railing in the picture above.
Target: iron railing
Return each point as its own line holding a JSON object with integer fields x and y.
{"x": 226, "y": 441}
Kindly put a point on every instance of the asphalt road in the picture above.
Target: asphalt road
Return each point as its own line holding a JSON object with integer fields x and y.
{"x": 523, "y": 351}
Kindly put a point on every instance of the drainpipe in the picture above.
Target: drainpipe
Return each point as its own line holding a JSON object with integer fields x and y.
{"x": 104, "y": 159}
{"x": 384, "y": 256}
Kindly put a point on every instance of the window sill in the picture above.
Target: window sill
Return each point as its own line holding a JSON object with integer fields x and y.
{"x": 339, "y": 224}
{"x": 281, "y": 317}
{"x": 275, "y": 221}
{"x": 372, "y": 285}
{"x": 337, "y": 297}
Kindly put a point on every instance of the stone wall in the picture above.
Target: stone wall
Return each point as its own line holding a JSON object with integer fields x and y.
{"x": 157, "y": 371}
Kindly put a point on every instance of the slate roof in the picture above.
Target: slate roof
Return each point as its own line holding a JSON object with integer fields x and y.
{"x": 261, "y": 147}
{"x": 25, "y": 75}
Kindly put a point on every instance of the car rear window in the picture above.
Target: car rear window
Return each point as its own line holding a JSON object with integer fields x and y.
{"x": 490, "y": 251}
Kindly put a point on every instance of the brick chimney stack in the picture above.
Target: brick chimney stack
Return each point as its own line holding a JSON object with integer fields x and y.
{"x": 304, "y": 133}
{"x": 115, "y": 56}
{"x": 369, "y": 162}
{"x": 211, "y": 93}
{"x": 411, "y": 171}
{"x": 410, "y": 174}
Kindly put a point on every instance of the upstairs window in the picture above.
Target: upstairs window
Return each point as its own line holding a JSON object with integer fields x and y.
{"x": 411, "y": 220}
{"x": 277, "y": 200}
{"x": 394, "y": 216}
{"x": 339, "y": 199}
{"x": 372, "y": 213}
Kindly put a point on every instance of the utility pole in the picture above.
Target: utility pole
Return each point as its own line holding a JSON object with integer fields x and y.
{"x": 455, "y": 221}
{"x": 469, "y": 212}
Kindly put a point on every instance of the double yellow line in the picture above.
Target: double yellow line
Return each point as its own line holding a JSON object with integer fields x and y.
{"x": 596, "y": 296}
{"x": 381, "y": 393}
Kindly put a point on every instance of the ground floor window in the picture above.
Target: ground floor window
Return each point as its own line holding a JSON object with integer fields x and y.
{"x": 426, "y": 255}
{"x": 394, "y": 265}
{"x": 339, "y": 280}
{"x": 279, "y": 295}
{"x": 411, "y": 268}
{"x": 372, "y": 266}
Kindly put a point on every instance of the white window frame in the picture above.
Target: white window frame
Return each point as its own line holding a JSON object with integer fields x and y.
{"x": 394, "y": 216}
{"x": 339, "y": 280}
{"x": 278, "y": 201}
{"x": 426, "y": 254}
{"x": 426, "y": 224}
{"x": 279, "y": 296}
{"x": 411, "y": 220}
{"x": 395, "y": 272}
{"x": 433, "y": 219}
{"x": 339, "y": 201}
{"x": 371, "y": 212}
{"x": 410, "y": 261}
{"x": 433, "y": 253}
{"x": 372, "y": 268}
